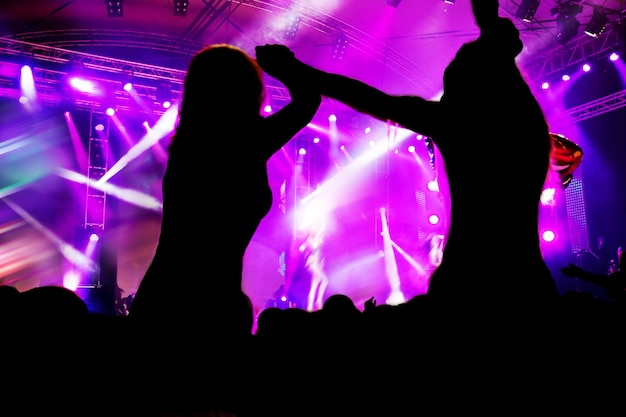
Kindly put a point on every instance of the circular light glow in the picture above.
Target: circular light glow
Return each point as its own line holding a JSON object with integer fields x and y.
{"x": 548, "y": 236}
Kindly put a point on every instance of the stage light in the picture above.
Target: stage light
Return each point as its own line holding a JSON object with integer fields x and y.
{"x": 127, "y": 83}
{"x": 82, "y": 85}
{"x": 339, "y": 46}
{"x": 448, "y": 1}
{"x": 394, "y": 3}
{"x": 526, "y": 10}
{"x": 597, "y": 23}
{"x": 566, "y": 22}
{"x": 180, "y": 7}
{"x": 291, "y": 29}
{"x": 99, "y": 125}
{"x": 164, "y": 95}
{"x": 114, "y": 8}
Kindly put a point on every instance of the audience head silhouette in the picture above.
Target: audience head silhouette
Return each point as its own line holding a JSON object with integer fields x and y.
{"x": 225, "y": 80}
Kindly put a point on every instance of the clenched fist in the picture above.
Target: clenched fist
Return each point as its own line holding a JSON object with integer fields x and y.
{"x": 277, "y": 61}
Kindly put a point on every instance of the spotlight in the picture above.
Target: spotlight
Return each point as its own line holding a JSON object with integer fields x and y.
{"x": 114, "y": 8}
{"x": 393, "y": 3}
{"x": 164, "y": 95}
{"x": 180, "y": 7}
{"x": 597, "y": 23}
{"x": 527, "y": 9}
{"x": 566, "y": 22}
{"x": 448, "y": 1}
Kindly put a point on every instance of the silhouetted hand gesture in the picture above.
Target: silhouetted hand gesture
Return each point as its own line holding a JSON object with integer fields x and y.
{"x": 370, "y": 304}
{"x": 277, "y": 61}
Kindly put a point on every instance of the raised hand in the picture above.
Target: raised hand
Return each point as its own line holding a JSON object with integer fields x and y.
{"x": 277, "y": 61}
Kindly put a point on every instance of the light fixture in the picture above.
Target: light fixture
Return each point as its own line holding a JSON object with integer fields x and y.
{"x": 393, "y": 3}
{"x": 339, "y": 46}
{"x": 164, "y": 95}
{"x": 566, "y": 22}
{"x": 180, "y": 7}
{"x": 127, "y": 83}
{"x": 597, "y": 23}
{"x": 448, "y": 1}
{"x": 114, "y": 8}
{"x": 527, "y": 9}
{"x": 291, "y": 29}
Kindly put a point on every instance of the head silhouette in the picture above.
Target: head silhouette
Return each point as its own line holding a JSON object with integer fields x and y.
{"x": 223, "y": 80}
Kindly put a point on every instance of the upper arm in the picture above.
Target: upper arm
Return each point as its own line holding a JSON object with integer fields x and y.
{"x": 282, "y": 126}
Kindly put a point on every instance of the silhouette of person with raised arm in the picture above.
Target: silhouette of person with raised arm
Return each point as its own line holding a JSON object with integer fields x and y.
{"x": 216, "y": 191}
{"x": 495, "y": 144}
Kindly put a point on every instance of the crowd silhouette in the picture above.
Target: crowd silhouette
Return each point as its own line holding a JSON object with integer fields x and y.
{"x": 491, "y": 335}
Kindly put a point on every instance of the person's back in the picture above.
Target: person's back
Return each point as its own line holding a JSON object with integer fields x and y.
{"x": 495, "y": 196}
{"x": 215, "y": 193}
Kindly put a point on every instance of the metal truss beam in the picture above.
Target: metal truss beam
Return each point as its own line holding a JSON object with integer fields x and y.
{"x": 557, "y": 60}
{"x": 33, "y": 51}
{"x": 591, "y": 109}
{"x": 357, "y": 39}
{"x": 73, "y": 38}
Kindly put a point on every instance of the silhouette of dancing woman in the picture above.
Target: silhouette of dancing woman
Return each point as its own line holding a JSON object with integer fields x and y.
{"x": 495, "y": 144}
{"x": 216, "y": 191}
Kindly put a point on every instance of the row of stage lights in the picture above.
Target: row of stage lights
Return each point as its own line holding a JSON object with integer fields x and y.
{"x": 585, "y": 68}
{"x": 92, "y": 91}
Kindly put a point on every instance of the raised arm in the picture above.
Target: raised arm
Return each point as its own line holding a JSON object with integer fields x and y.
{"x": 283, "y": 125}
{"x": 411, "y": 112}
{"x": 485, "y": 12}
